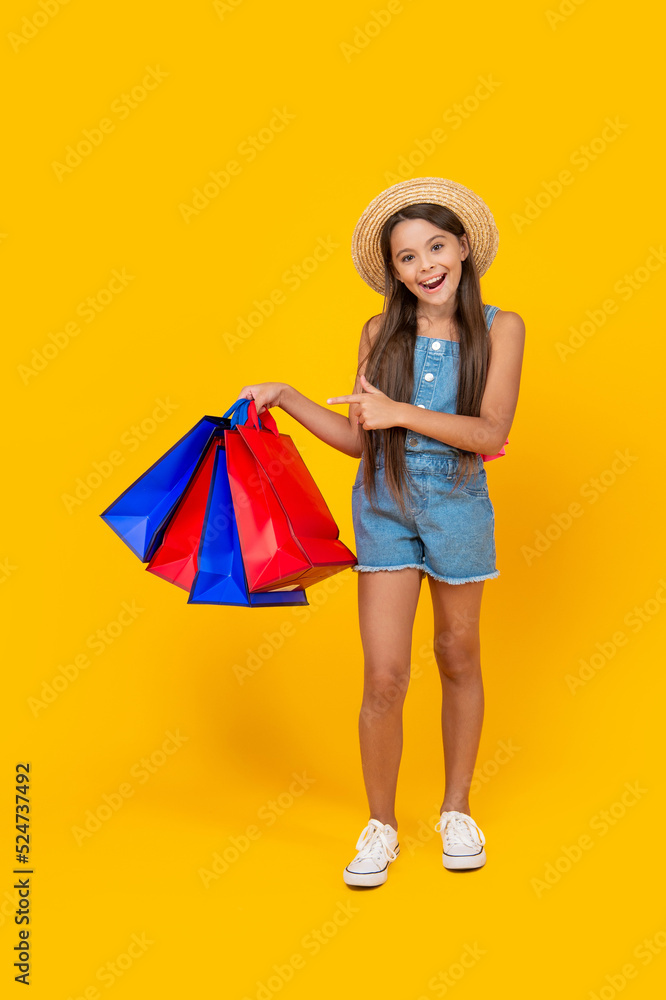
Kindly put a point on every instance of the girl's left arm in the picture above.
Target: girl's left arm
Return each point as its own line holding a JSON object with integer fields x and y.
{"x": 487, "y": 433}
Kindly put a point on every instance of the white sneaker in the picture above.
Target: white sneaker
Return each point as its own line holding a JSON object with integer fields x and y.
{"x": 377, "y": 847}
{"x": 462, "y": 841}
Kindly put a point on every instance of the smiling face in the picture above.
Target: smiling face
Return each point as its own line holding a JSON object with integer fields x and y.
{"x": 428, "y": 260}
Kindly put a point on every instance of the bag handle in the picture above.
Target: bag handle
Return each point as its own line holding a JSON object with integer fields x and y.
{"x": 237, "y": 411}
{"x": 244, "y": 408}
{"x": 265, "y": 421}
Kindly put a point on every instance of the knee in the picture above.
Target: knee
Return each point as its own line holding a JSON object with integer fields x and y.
{"x": 457, "y": 657}
{"x": 384, "y": 689}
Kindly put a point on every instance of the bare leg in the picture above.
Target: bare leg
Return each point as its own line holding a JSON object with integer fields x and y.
{"x": 387, "y": 602}
{"x": 457, "y": 649}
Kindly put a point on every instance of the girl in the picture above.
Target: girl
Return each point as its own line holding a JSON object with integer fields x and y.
{"x": 435, "y": 395}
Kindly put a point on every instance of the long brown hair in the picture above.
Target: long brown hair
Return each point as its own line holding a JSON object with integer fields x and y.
{"x": 390, "y": 361}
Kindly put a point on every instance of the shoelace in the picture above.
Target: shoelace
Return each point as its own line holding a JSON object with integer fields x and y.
{"x": 373, "y": 844}
{"x": 460, "y": 828}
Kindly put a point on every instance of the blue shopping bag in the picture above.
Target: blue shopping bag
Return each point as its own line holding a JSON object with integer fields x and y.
{"x": 140, "y": 514}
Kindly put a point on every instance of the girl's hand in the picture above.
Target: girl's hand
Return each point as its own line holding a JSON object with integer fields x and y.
{"x": 264, "y": 394}
{"x": 377, "y": 410}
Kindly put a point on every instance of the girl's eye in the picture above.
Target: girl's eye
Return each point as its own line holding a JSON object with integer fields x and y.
{"x": 408, "y": 256}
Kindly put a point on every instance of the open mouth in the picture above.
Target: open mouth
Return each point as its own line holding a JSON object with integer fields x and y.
{"x": 432, "y": 284}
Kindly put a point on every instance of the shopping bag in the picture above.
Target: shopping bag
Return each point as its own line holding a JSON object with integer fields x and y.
{"x": 175, "y": 559}
{"x": 206, "y": 503}
{"x": 182, "y": 515}
{"x": 140, "y": 514}
{"x": 220, "y": 576}
{"x": 287, "y": 533}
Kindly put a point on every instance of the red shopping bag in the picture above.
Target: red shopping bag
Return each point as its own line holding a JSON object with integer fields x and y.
{"x": 176, "y": 558}
{"x": 287, "y": 533}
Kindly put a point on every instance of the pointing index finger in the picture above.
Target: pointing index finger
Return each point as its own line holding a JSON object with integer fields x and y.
{"x": 356, "y": 398}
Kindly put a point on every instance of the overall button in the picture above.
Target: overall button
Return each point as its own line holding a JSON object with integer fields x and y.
{"x": 421, "y": 406}
{"x": 436, "y": 345}
{"x": 413, "y": 441}
{"x": 429, "y": 377}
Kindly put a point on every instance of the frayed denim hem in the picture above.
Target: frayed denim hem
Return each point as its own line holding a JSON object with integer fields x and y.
{"x": 374, "y": 569}
{"x": 466, "y": 579}
{"x": 424, "y": 569}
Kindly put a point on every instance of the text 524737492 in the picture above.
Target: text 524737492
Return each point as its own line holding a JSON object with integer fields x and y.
{"x": 22, "y": 914}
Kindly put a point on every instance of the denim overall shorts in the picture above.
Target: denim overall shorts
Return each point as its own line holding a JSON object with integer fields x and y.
{"x": 449, "y": 535}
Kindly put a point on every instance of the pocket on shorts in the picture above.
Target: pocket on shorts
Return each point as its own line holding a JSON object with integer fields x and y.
{"x": 476, "y": 486}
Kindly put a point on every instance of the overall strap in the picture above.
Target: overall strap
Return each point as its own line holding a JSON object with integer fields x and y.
{"x": 490, "y": 312}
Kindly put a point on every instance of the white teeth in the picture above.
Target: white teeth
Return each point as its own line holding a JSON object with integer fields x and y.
{"x": 432, "y": 281}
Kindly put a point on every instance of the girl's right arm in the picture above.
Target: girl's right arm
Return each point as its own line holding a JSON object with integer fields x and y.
{"x": 343, "y": 433}
{"x": 329, "y": 426}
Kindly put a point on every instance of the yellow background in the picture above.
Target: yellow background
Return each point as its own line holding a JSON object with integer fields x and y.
{"x": 361, "y": 102}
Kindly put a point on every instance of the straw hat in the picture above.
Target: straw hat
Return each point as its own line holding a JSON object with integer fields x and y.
{"x": 472, "y": 211}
